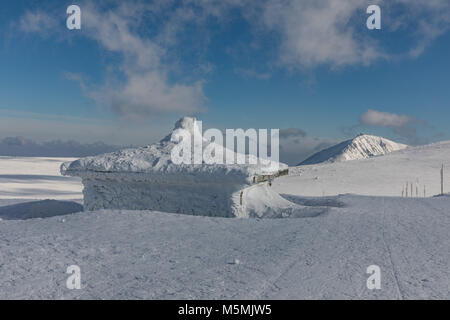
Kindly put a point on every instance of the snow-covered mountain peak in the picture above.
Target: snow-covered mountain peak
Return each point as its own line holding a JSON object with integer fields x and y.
{"x": 361, "y": 147}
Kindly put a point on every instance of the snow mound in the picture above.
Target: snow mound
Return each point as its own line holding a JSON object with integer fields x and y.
{"x": 362, "y": 147}
{"x": 261, "y": 201}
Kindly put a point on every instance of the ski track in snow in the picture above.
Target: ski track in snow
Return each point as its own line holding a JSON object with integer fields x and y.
{"x": 389, "y": 253}
{"x": 151, "y": 255}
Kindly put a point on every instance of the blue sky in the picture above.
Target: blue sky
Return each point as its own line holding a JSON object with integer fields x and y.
{"x": 137, "y": 66}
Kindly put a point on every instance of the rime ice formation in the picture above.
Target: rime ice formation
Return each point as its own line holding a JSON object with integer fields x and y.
{"x": 146, "y": 179}
{"x": 362, "y": 147}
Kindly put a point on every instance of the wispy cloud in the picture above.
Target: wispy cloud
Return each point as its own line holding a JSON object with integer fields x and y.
{"x": 140, "y": 84}
{"x": 37, "y": 22}
{"x": 310, "y": 32}
{"x": 424, "y": 20}
{"x": 402, "y": 125}
{"x": 146, "y": 88}
{"x": 319, "y": 32}
{"x": 332, "y": 32}
{"x": 385, "y": 119}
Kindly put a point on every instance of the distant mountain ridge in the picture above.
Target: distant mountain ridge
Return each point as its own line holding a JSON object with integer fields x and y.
{"x": 361, "y": 147}
{"x": 23, "y": 147}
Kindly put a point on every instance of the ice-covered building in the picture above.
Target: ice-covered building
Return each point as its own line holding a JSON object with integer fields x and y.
{"x": 146, "y": 178}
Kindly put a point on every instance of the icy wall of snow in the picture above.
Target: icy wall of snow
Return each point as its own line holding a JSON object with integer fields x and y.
{"x": 204, "y": 199}
{"x": 207, "y": 199}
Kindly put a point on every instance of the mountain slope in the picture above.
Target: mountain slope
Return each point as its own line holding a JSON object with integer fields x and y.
{"x": 362, "y": 147}
{"x": 377, "y": 176}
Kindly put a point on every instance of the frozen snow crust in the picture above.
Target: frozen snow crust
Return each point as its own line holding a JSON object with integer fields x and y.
{"x": 147, "y": 179}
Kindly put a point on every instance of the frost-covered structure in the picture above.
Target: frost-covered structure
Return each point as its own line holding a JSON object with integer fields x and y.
{"x": 146, "y": 178}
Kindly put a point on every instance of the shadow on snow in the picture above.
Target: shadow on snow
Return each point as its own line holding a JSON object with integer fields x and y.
{"x": 39, "y": 209}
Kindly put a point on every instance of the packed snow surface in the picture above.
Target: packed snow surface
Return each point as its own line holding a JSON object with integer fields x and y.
{"x": 153, "y": 255}
{"x": 362, "y": 147}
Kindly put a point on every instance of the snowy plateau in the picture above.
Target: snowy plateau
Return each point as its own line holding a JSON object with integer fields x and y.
{"x": 355, "y": 217}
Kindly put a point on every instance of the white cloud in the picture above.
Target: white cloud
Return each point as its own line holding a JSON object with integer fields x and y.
{"x": 148, "y": 93}
{"x": 332, "y": 32}
{"x": 38, "y": 21}
{"x": 402, "y": 125}
{"x": 423, "y": 20}
{"x": 146, "y": 88}
{"x": 310, "y": 32}
{"x": 140, "y": 84}
{"x": 319, "y": 32}
{"x": 385, "y": 119}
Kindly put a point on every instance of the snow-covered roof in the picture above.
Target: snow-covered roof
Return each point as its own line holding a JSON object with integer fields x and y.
{"x": 155, "y": 160}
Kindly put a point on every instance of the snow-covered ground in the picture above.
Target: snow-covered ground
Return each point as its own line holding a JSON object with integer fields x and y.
{"x": 145, "y": 254}
{"x": 36, "y": 178}
{"x": 378, "y": 176}
{"x": 151, "y": 255}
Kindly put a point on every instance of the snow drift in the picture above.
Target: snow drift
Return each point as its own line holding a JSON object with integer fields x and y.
{"x": 362, "y": 147}
{"x": 147, "y": 179}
